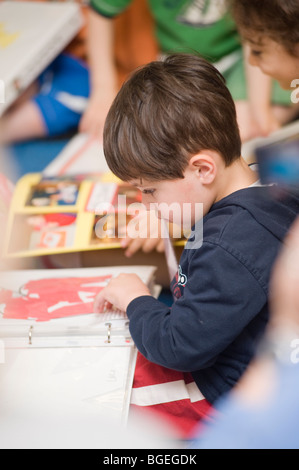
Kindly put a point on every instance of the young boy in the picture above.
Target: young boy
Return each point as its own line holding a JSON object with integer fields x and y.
{"x": 270, "y": 28}
{"x": 172, "y": 132}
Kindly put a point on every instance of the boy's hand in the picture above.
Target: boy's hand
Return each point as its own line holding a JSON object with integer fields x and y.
{"x": 132, "y": 245}
{"x": 120, "y": 292}
{"x": 150, "y": 234}
{"x": 148, "y": 228}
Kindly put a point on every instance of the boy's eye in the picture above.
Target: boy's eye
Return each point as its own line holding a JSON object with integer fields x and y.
{"x": 148, "y": 191}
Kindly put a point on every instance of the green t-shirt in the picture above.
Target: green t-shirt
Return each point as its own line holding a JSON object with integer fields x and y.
{"x": 204, "y": 26}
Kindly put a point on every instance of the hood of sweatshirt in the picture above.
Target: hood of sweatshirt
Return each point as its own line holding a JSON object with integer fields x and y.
{"x": 272, "y": 209}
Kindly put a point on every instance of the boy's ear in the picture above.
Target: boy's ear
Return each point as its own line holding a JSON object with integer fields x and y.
{"x": 204, "y": 164}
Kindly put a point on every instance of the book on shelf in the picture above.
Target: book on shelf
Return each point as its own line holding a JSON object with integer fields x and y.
{"x": 63, "y": 214}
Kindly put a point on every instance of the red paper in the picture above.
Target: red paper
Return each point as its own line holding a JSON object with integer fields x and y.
{"x": 46, "y": 299}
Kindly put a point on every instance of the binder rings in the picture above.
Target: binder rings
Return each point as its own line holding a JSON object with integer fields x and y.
{"x": 80, "y": 363}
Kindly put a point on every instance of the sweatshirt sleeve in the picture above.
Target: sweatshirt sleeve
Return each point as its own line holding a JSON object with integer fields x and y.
{"x": 109, "y": 8}
{"x": 222, "y": 295}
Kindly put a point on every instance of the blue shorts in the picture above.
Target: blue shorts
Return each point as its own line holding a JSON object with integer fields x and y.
{"x": 63, "y": 94}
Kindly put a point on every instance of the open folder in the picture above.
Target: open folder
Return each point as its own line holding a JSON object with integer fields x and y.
{"x": 67, "y": 359}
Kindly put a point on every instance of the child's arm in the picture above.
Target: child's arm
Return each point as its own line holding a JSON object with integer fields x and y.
{"x": 103, "y": 73}
{"x": 259, "y": 88}
{"x": 212, "y": 312}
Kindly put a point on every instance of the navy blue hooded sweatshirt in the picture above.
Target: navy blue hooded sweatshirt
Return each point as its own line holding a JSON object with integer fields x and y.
{"x": 221, "y": 293}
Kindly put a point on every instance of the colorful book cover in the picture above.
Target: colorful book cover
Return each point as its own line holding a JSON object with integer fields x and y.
{"x": 50, "y": 215}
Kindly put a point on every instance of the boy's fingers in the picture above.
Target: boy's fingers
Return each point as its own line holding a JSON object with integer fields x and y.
{"x": 134, "y": 246}
{"x": 125, "y": 242}
{"x": 150, "y": 244}
{"x": 107, "y": 307}
{"x": 160, "y": 247}
{"x": 99, "y": 303}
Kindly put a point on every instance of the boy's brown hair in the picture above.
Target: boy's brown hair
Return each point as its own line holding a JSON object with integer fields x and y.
{"x": 276, "y": 19}
{"x": 166, "y": 112}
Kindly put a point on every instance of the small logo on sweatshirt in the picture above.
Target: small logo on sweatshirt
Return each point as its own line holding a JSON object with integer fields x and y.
{"x": 182, "y": 278}
{"x": 179, "y": 281}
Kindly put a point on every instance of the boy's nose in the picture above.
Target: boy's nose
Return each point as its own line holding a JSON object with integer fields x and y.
{"x": 146, "y": 202}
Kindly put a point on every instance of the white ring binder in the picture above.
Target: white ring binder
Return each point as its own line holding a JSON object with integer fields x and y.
{"x": 30, "y": 334}
{"x": 108, "y": 332}
{"x": 83, "y": 362}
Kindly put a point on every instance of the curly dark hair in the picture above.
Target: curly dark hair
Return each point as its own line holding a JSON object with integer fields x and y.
{"x": 276, "y": 19}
